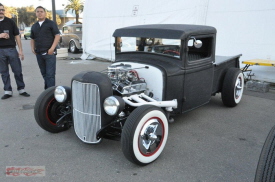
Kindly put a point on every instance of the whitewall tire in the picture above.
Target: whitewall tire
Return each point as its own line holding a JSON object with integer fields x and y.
{"x": 233, "y": 87}
{"x": 144, "y": 134}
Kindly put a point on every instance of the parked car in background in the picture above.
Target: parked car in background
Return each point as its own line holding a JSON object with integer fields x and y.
{"x": 71, "y": 37}
{"x": 27, "y": 32}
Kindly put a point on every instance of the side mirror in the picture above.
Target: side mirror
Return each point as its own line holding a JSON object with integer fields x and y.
{"x": 198, "y": 44}
{"x": 194, "y": 42}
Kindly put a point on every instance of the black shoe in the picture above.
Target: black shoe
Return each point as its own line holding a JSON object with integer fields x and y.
{"x": 25, "y": 94}
{"x": 6, "y": 96}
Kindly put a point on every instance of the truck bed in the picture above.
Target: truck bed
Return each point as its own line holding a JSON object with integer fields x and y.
{"x": 219, "y": 60}
{"x": 222, "y": 63}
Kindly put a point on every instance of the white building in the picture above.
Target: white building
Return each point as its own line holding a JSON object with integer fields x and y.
{"x": 245, "y": 27}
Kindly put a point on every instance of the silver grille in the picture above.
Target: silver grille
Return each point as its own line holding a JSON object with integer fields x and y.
{"x": 86, "y": 111}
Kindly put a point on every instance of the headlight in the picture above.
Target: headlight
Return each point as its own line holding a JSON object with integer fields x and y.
{"x": 113, "y": 105}
{"x": 60, "y": 94}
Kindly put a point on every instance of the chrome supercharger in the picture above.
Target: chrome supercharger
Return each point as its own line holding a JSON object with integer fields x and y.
{"x": 125, "y": 79}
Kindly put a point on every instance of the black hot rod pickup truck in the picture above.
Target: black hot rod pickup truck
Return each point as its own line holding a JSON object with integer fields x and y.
{"x": 159, "y": 71}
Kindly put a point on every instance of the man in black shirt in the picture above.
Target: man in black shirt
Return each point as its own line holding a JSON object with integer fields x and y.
{"x": 9, "y": 33}
{"x": 44, "y": 39}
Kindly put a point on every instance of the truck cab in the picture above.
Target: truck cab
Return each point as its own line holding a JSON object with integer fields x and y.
{"x": 184, "y": 53}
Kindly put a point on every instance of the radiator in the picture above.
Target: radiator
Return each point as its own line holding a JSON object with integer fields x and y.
{"x": 86, "y": 111}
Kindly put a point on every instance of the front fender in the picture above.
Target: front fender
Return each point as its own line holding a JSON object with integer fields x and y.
{"x": 77, "y": 43}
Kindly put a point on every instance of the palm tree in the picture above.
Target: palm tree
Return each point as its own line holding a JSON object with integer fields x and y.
{"x": 76, "y": 6}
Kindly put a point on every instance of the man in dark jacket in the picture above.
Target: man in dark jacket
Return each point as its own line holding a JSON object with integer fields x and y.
{"x": 9, "y": 33}
{"x": 44, "y": 39}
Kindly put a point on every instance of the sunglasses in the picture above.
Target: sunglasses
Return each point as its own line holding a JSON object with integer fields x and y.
{"x": 2, "y": 9}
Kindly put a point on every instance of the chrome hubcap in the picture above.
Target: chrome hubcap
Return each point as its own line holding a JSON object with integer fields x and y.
{"x": 151, "y": 136}
{"x": 72, "y": 47}
{"x": 238, "y": 88}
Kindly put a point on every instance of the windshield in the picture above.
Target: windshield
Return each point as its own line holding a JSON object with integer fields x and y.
{"x": 170, "y": 47}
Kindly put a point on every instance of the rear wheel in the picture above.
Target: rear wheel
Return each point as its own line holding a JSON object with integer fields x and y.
{"x": 266, "y": 166}
{"x": 72, "y": 47}
{"x": 47, "y": 111}
{"x": 233, "y": 86}
{"x": 144, "y": 134}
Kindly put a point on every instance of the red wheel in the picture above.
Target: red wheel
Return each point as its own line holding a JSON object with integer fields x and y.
{"x": 144, "y": 134}
{"x": 48, "y": 111}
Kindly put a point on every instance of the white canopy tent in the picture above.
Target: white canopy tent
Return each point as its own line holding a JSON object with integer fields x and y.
{"x": 245, "y": 27}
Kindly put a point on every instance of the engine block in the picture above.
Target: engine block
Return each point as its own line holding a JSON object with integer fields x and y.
{"x": 125, "y": 80}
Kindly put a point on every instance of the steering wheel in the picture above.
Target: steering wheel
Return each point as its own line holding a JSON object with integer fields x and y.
{"x": 171, "y": 52}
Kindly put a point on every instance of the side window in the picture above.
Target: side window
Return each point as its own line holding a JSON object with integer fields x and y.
{"x": 78, "y": 29}
{"x": 199, "y": 48}
{"x": 65, "y": 30}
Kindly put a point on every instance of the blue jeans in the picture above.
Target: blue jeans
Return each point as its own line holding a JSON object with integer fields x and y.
{"x": 47, "y": 65}
{"x": 9, "y": 56}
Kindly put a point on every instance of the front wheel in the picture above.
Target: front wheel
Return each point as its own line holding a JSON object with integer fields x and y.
{"x": 233, "y": 86}
{"x": 73, "y": 48}
{"x": 47, "y": 111}
{"x": 144, "y": 134}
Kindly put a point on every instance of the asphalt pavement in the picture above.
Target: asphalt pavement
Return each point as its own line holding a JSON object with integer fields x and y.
{"x": 210, "y": 144}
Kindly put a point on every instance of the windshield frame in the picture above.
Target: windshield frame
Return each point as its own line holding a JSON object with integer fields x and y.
{"x": 160, "y": 46}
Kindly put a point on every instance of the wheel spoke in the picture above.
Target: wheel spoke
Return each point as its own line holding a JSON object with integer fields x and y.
{"x": 238, "y": 88}
{"x": 150, "y": 136}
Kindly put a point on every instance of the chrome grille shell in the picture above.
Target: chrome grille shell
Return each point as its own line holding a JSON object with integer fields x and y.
{"x": 86, "y": 111}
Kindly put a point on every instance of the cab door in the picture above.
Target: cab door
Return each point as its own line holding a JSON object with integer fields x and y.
{"x": 199, "y": 71}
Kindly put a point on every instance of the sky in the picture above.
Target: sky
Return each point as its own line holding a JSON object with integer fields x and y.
{"x": 45, "y": 3}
